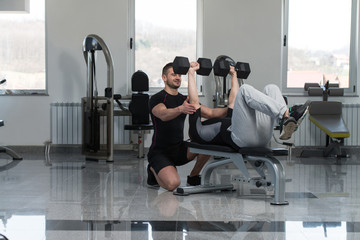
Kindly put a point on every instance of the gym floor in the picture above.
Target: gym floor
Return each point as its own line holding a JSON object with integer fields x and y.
{"x": 66, "y": 197}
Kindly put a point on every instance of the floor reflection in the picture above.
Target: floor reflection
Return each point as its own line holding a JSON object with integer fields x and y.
{"x": 23, "y": 226}
{"x": 70, "y": 198}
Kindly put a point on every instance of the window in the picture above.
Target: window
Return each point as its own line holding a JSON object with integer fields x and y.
{"x": 319, "y": 43}
{"x": 164, "y": 29}
{"x": 22, "y": 52}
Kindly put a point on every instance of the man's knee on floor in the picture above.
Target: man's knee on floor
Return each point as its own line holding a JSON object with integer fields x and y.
{"x": 169, "y": 178}
{"x": 171, "y": 184}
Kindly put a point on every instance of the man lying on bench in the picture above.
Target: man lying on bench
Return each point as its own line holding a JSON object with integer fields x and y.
{"x": 251, "y": 115}
{"x": 245, "y": 131}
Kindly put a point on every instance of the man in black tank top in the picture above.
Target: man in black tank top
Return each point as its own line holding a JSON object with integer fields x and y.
{"x": 168, "y": 112}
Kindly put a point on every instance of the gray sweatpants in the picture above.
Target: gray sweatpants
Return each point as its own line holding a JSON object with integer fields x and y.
{"x": 255, "y": 114}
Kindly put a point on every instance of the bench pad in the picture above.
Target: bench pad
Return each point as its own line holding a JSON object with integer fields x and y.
{"x": 332, "y": 125}
{"x": 254, "y": 151}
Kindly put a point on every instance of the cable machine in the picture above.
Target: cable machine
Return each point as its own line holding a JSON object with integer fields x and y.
{"x": 95, "y": 107}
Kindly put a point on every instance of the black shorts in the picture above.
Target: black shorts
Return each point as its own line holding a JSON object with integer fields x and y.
{"x": 175, "y": 155}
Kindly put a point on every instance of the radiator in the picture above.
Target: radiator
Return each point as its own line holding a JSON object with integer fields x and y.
{"x": 66, "y": 125}
{"x": 310, "y": 135}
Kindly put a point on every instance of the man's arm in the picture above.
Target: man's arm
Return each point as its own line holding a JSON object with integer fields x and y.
{"x": 208, "y": 113}
{"x": 167, "y": 114}
{"x": 234, "y": 87}
{"x": 221, "y": 112}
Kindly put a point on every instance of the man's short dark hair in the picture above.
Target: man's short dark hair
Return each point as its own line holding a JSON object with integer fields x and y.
{"x": 166, "y": 68}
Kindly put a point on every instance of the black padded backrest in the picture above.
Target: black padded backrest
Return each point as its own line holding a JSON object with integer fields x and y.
{"x": 325, "y": 108}
{"x": 139, "y": 105}
{"x": 139, "y": 108}
{"x": 1, "y": 123}
{"x": 139, "y": 82}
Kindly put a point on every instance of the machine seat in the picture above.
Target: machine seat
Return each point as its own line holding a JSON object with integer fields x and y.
{"x": 254, "y": 151}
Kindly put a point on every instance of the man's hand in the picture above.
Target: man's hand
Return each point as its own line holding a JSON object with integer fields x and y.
{"x": 194, "y": 66}
{"x": 187, "y": 108}
{"x": 233, "y": 71}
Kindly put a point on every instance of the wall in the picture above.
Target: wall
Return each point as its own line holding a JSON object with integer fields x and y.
{"x": 248, "y": 31}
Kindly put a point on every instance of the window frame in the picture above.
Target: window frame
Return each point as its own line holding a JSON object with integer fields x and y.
{"x": 30, "y": 92}
{"x": 131, "y": 53}
{"x": 354, "y": 42}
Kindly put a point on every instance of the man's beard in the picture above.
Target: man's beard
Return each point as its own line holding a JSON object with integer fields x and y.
{"x": 173, "y": 86}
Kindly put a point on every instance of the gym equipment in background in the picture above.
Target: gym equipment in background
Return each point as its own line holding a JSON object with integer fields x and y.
{"x": 327, "y": 115}
{"x": 221, "y": 70}
{"x": 7, "y": 150}
{"x": 329, "y": 89}
{"x": 95, "y": 106}
{"x": 139, "y": 108}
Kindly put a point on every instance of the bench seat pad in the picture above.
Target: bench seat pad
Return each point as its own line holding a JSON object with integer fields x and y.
{"x": 332, "y": 125}
{"x": 253, "y": 151}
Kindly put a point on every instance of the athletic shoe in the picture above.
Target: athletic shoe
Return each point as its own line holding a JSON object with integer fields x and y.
{"x": 151, "y": 180}
{"x": 299, "y": 111}
{"x": 289, "y": 126}
{"x": 194, "y": 181}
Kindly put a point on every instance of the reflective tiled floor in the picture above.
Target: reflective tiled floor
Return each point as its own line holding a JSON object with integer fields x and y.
{"x": 76, "y": 199}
